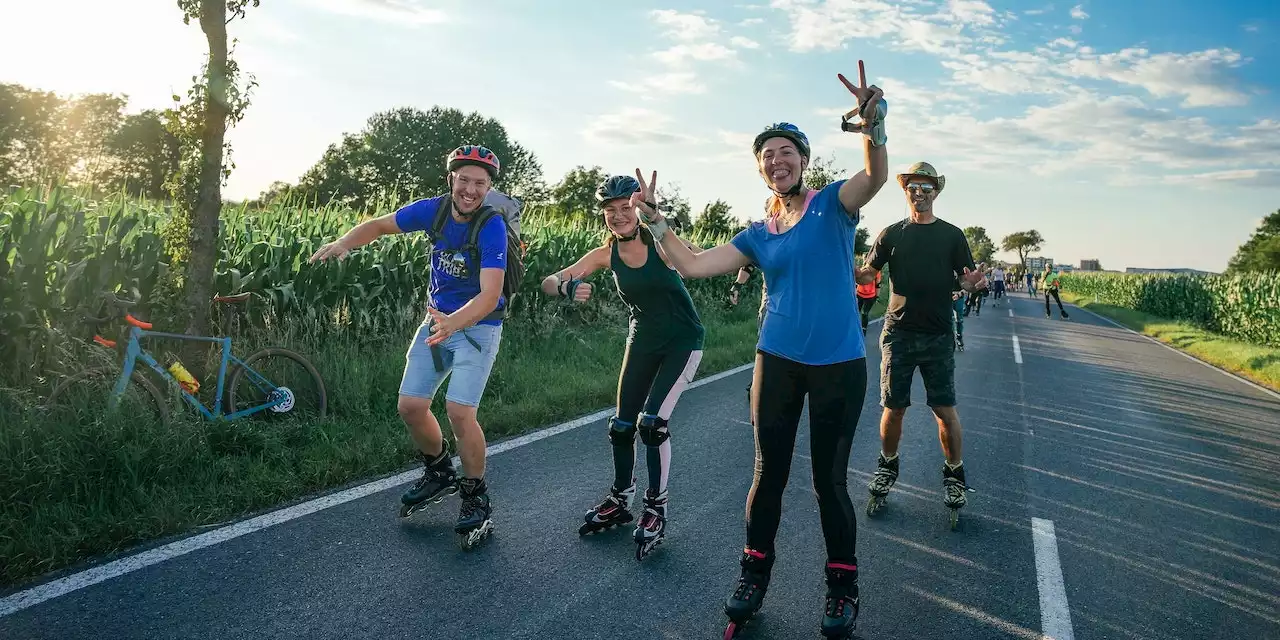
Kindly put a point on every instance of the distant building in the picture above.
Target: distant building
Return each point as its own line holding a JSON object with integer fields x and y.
{"x": 1090, "y": 265}
{"x": 1036, "y": 263}
{"x": 1176, "y": 271}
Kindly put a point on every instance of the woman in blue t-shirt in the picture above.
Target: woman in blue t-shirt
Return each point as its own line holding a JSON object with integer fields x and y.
{"x": 810, "y": 344}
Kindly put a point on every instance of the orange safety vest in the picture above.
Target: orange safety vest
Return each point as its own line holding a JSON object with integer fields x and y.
{"x": 869, "y": 290}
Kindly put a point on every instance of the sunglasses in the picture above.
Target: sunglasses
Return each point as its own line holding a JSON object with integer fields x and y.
{"x": 926, "y": 187}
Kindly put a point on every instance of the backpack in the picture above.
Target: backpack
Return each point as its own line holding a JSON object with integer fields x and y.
{"x": 495, "y": 204}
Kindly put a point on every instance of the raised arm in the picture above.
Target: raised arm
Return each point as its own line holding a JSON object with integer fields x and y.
{"x": 715, "y": 261}
{"x": 861, "y": 187}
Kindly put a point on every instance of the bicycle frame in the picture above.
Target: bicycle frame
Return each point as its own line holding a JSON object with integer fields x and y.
{"x": 134, "y": 352}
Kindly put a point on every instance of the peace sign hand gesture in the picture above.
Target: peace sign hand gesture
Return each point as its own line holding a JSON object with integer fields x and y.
{"x": 644, "y": 201}
{"x": 871, "y": 108}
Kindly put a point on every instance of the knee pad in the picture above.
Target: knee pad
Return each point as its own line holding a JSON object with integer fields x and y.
{"x": 621, "y": 432}
{"x": 653, "y": 430}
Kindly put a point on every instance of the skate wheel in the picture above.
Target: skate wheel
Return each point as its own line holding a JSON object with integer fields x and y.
{"x": 954, "y": 518}
{"x": 731, "y": 631}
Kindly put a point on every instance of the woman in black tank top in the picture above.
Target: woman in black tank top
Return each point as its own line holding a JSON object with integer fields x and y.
{"x": 664, "y": 348}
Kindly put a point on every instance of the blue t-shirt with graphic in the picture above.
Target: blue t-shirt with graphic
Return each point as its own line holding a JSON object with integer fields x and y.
{"x": 812, "y": 314}
{"x": 454, "y": 279}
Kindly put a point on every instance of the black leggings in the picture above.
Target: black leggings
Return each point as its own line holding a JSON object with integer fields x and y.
{"x": 649, "y": 386}
{"x": 836, "y": 392}
{"x": 1054, "y": 293}
{"x": 864, "y": 308}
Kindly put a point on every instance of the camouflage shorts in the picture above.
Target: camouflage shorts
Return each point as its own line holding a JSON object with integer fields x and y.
{"x": 901, "y": 352}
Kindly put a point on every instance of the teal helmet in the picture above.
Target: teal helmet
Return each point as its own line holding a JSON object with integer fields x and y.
{"x": 616, "y": 187}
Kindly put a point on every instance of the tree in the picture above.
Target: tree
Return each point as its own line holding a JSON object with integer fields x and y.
{"x": 861, "y": 242}
{"x": 714, "y": 221}
{"x": 1259, "y": 253}
{"x": 144, "y": 154}
{"x": 821, "y": 172}
{"x": 574, "y": 196}
{"x": 980, "y": 244}
{"x": 400, "y": 155}
{"x": 1023, "y": 242}
{"x": 675, "y": 207}
{"x": 215, "y": 102}
{"x": 28, "y": 128}
{"x": 86, "y": 128}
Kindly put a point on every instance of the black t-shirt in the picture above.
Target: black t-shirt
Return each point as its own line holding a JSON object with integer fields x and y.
{"x": 924, "y": 262}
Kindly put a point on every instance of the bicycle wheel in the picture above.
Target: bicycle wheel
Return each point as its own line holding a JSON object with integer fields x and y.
{"x": 86, "y": 396}
{"x": 274, "y": 372}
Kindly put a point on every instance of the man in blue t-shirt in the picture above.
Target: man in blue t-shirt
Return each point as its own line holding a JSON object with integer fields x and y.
{"x": 460, "y": 335}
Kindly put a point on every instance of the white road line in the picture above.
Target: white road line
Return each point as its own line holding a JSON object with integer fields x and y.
{"x": 62, "y": 586}
{"x": 1011, "y": 313}
{"x": 1055, "y": 614}
{"x": 1184, "y": 354}
{"x": 1017, "y": 351}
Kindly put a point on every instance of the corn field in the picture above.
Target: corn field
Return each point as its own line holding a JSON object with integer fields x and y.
{"x": 1246, "y": 306}
{"x": 60, "y": 250}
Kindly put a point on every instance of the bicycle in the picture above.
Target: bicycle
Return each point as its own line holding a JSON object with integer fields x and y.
{"x": 261, "y": 394}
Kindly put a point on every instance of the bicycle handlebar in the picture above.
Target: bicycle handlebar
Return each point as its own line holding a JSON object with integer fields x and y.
{"x": 113, "y": 305}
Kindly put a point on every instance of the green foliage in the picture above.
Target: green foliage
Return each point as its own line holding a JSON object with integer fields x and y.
{"x": 1245, "y": 306}
{"x": 714, "y": 220}
{"x": 1262, "y": 251}
{"x": 980, "y": 244}
{"x": 821, "y": 172}
{"x": 574, "y": 196}
{"x": 59, "y": 249}
{"x": 400, "y": 155}
{"x": 145, "y": 155}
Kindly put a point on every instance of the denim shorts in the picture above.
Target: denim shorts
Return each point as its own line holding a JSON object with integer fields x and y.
{"x": 469, "y": 360}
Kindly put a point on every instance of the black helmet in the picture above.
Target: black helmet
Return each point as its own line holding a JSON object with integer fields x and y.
{"x": 616, "y": 187}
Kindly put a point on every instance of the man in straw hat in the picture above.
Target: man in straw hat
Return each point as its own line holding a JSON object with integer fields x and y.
{"x": 928, "y": 259}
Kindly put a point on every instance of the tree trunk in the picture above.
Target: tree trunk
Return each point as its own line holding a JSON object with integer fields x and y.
{"x": 208, "y": 205}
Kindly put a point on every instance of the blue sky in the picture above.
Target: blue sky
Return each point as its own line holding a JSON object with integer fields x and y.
{"x": 1141, "y": 133}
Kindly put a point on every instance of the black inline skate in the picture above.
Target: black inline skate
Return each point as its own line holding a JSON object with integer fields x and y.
{"x": 475, "y": 522}
{"x": 652, "y": 528}
{"x": 613, "y": 511}
{"x": 840, "y": 613}
{"x": 438, "y": 481}
{"x": 953, "y": 492}
{"x": 883, "y": 480}
{"x": 748, "y": 596}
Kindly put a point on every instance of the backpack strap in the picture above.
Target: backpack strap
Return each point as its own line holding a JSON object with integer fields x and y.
{"x": 442, "y": 215}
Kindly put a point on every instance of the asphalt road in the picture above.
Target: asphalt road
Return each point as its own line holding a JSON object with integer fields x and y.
{"x": 1160, "y": 476}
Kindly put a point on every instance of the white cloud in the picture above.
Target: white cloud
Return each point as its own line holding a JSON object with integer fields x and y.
{"x": 1064, "y": 42}
{"x": 743, "y": 42}
{"x": 689, "y": 27}
{"x": 674, "y": 82}
{"x": 1077, "y": 12}
{"x": 678, "y": 54}
{"x": 401, "y": 12}
{"x": 1120, "y": 135}
{"x": 970, "y": 12}
{"x": 1199, "y": 78}
{"x": 750, "y": 21}
{"x": 1251, "y": 28}
{"x": 1263, "y": 178}
{"x": 634, "y": 126}
{"x": 1035, "y": 12}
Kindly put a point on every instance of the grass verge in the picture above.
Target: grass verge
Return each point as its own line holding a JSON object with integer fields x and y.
{"x": 76, "y": 491}
{"x": 1258, "y": 363}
